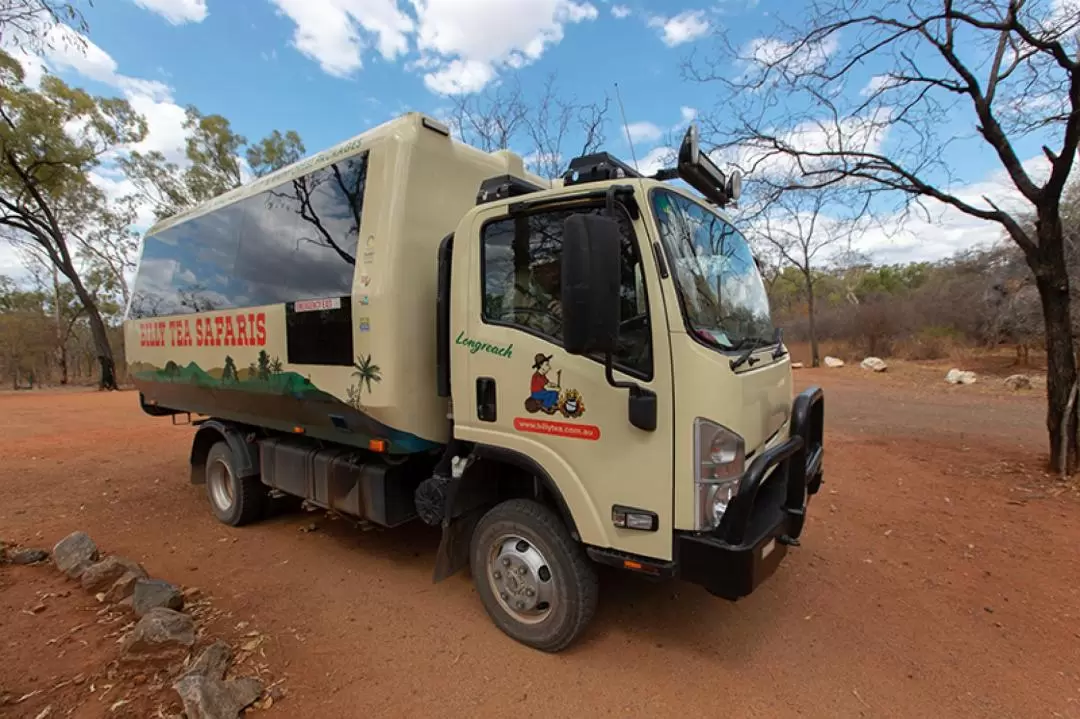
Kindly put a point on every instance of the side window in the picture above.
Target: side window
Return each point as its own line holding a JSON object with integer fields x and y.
{"x": 291, "y": 242}
{"x": 522, "y": 282}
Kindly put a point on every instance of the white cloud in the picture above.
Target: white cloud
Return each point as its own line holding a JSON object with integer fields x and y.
{"x": 643, "y": 132}
{"x": 688, "y": 114}
{"x": 460, "y": 77}
{"x": 334, "y": 33}
{"x": 464, "y": 43}
{"x": 461, "y": 44}
{"x": 772, "y": 52}
{"x": 685, "y": 27}
{"x": 655, "y": 160}
{"x": 620, "y": 11}
{"x": 176, "y": 12}
{"x": 876, "y": 84}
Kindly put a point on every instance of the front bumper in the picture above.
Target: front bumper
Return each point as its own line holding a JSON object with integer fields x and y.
{"x": 766, "y": 516}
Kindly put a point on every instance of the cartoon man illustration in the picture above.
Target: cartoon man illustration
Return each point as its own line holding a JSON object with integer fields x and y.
{"x": 544, "y": 392}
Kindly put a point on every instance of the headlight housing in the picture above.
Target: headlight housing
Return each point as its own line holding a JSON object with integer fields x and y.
{"x": 719, "y": 462}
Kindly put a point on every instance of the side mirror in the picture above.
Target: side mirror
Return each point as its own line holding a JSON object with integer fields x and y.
{"x": 590, "y": 284}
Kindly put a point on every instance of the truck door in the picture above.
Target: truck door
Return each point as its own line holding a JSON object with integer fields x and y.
{"x": 515, "y": 388}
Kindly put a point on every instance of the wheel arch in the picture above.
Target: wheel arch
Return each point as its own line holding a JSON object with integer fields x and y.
{"x": 245, "y": 453}
{"x": 544, "y": 489}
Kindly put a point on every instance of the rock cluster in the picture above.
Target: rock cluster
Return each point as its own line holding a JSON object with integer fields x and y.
{"x": 164, "y": 635}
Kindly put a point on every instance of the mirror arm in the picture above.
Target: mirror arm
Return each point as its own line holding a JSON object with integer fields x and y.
{"x": 610, "y": 376}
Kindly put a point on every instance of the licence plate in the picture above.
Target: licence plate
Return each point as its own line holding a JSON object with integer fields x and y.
{"x": 768, "y": 548}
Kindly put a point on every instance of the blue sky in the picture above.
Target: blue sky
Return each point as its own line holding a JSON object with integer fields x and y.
{"x": 332, "y": 68}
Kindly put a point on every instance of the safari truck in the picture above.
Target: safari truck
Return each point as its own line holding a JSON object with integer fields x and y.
{"x": 558, "y": 374}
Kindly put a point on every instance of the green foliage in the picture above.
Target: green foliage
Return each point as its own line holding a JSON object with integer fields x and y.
{"x": 274, "y": 152}
{"x": 52, "y": 138}
{"x": 263, "y": 365}
{"x": 213, "y": 154}
{"x": 366, "y": 372}
{"x": 228, "y": 372}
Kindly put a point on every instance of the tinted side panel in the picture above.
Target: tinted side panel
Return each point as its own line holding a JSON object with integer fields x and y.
{"x": 295, "y": 241}
{"x": 321, "y": 337}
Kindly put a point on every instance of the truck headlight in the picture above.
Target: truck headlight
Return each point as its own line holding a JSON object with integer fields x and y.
{"x": 719, "y": 462}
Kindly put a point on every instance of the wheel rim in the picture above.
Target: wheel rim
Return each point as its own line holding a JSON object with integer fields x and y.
{"x": 521, "y": 579}
{"x": 220, "y": 484}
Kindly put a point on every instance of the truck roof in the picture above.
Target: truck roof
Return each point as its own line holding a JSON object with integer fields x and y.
{"x": 320, "y": 159}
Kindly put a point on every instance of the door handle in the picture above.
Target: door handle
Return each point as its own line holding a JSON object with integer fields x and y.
{"x": 485, "y": 399}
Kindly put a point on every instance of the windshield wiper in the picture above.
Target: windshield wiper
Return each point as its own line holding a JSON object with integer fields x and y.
{"x": 746, "y": 357}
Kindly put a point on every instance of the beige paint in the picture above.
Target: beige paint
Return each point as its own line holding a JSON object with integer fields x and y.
{"x": 421, "y": 186}
{"x": 625, "y": 466}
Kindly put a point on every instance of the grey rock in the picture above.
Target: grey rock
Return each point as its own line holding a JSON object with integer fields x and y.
{"x": 101, "y": 576}
{"x": 209, "y": 698}
{"x": 1018, "y": 381}
{"x": 123, "y": 587}
{"x": 956, "y": 376}
{"x": 74, "y": 554}
{"x": 211, "y": 662}
{"x": 206, "y": 693}
{"x": 874, "y": 363}
{"x": 833, "y": 362}
{"x": 27, "y": 556}
{"x": 151, "y": 593}
{"x": 161, "y": 633}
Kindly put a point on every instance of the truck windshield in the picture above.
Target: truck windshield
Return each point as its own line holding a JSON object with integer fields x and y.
{"x": 720, "y": 289}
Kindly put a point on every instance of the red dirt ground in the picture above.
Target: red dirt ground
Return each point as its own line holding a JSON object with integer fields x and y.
{"x": 938, "y": 578}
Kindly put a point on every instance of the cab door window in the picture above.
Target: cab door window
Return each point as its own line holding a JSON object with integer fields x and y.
{"x": 521, "y": 258}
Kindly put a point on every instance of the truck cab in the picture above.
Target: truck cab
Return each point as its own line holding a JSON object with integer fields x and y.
{"x": 611, "y": 339}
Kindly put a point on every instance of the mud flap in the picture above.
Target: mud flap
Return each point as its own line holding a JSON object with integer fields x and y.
{"x": 453, "y": 554}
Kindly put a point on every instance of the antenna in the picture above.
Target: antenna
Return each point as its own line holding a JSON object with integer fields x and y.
{"x": 622, "y": 111}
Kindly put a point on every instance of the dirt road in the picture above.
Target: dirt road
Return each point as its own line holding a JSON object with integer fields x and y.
{"x": 939, "y": 576}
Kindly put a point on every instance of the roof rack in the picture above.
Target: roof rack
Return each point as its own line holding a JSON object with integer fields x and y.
{"x": 597, "y": 167}
{"x": 502, "y": 187}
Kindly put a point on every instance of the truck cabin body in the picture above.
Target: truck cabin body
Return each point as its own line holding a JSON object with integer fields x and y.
{"x": 406, "y": 326}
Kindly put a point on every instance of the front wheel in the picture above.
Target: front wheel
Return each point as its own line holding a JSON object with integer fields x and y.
{"x": 534, "y": 580}
{"x": 235, "y": 500}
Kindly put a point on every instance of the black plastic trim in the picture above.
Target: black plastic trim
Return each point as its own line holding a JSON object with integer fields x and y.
{"x": 442, "y": 316}
{"x": 245, "y": 454}
{"x": 650, "y": 567}
{"x": 531, "y": 466}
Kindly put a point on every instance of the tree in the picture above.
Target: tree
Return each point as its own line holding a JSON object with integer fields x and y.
{"x": 253, "y": 371}
{"x": 1008, "y": 70}
{"x": 24, "y": 335}
{"x": 50, "y": 141}
{"x": 276, "y": 367}
{"x": 503, "y": 117}
{"x": 27, "y": 25}
{"x": 212, "y": 154}
{"x": 264, "y": 365}
{"x": 800, "y": 227}
{"x": 274, "y": 152}
{"x": 366, "y": 373}
{"x": 228, "y": 372}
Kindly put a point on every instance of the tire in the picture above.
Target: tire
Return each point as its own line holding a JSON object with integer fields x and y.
{"x": 514, "y": 547}
{"x": 236, "y": 501}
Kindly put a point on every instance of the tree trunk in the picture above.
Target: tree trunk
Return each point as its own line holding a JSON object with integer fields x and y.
{"x": 815, "y": 356}
{"x": 98, "y": 332}
{"x": 1052, "y": 281}
{"x": 61, "y": 350}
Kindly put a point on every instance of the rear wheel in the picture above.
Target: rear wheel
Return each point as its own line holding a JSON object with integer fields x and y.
{"x": 534, "y": 580}
{"x": 235, "y": 500}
